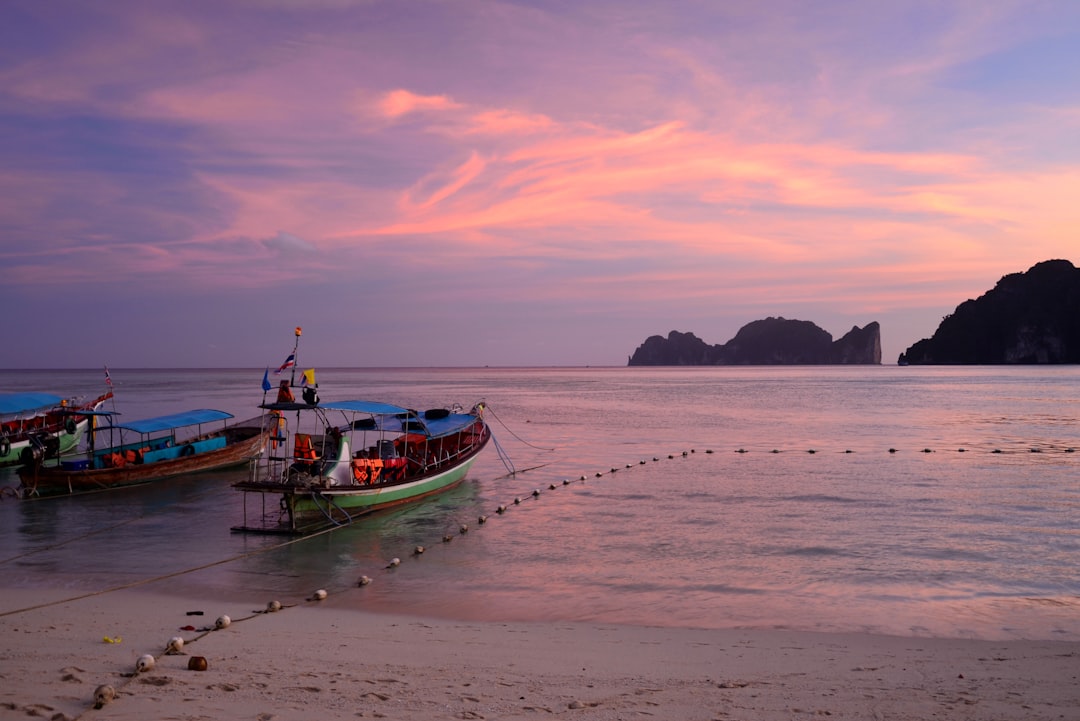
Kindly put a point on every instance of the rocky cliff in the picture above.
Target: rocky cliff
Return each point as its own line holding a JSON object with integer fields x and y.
{"x": 1031, "y": 317}
{"x": 772, "y": 341}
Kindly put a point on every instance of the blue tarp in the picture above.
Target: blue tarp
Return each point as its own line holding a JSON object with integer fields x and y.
{"x": 372, "y": 407}
{"x": 12, "y": 403}
{"x": 175, "y": 420}
{"x": 451, "y": 424}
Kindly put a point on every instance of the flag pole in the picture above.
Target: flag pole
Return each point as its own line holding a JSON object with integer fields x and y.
{"x": 296, "y": 358}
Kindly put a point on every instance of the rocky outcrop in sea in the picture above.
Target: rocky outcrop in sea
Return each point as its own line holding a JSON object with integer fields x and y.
{"x": 1027, "y": 318}
{"x": 772, "y": 341}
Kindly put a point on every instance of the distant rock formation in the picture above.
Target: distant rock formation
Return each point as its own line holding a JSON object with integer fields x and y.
{"x": 772, "y": 341}
{"x": 1031, "y": 317}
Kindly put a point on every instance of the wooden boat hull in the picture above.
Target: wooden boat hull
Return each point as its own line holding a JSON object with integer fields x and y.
{"x": 244, "y": 444}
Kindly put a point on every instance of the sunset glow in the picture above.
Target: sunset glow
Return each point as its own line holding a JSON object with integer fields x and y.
{"x": 498, "y": 183}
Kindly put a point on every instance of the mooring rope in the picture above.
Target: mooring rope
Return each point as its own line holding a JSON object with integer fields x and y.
{"x": 489, "y": 411}
{"x": 61, "y": 544}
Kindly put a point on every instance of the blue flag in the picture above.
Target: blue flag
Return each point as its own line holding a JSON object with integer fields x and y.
{"x": 266, "y": 381}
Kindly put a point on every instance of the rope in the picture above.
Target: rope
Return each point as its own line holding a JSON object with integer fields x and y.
{"x": 489, "y": 411}
{"x": 174, "y": 574}
{"x": 507, "y": 463}
{"x": 61, "y": 544}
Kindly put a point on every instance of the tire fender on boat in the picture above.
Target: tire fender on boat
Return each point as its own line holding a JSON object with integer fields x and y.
{"x": 187, "y": 450}
{"x": 5, "y": 446}
{"x": 70, "y": 427}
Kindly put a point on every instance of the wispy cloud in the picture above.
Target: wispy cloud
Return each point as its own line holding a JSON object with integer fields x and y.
{"x": 628, "y": 154}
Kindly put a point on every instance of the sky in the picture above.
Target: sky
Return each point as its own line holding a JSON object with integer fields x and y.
{"x": 511, "y": 183}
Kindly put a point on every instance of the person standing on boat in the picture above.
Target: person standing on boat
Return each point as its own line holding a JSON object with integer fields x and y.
{"x": 284, "y": 393}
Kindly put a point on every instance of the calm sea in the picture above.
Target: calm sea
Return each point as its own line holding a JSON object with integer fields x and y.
{"x": 970, "y": 528}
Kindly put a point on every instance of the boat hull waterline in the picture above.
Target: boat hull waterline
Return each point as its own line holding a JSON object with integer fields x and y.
{"x": 226, "y": 448}
{"x": 420, "y": 457}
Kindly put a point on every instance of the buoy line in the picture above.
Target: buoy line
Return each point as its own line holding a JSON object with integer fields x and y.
{"x": 503, "y": 508}
{"x": 106, "y": 693}
{"x": 146, "y": 663}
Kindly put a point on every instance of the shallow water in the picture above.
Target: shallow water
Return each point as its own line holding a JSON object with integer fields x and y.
{"x": 679, "y": 527}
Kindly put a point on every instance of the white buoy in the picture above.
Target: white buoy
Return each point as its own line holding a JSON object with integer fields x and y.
{"x": 364, "y": 580}
{"x": 144, "y": 664}
{"x": 418, "y": 550}
{"x": 464, "y": 528}
{"x": 447, "y": 538}
{"x": 319, "y": 595}
{"x": 536, "y": 493}
{"x": 176, "y": 645}
{"x": 103, "y": 694}
{"x": 501, "y": 509}
{"x": 482, "y": 520}
{"x": 222, "y": 622}
{"x": 273, "y": 607}
{"x": 394, "y": 563}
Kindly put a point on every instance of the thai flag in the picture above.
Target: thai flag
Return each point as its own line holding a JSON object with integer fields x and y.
{"x": 108, "y": 378}
{"x": 289, "y": 363}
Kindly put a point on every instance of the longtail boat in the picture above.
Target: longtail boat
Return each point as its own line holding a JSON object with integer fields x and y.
{"x": 51, "y": 424}
{"x": 146, "y": 450}
{"x": 326, "y": 465}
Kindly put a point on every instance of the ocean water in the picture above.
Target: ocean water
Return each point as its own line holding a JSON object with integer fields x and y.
{"x": 691, "y": 497}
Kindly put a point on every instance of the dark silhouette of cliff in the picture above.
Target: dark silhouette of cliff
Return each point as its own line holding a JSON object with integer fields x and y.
{"x": 1031, "y": 317}
{"x": 772, "y": 341}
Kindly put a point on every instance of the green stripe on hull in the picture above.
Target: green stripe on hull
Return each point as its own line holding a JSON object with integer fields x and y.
{"x": 370, "y": 499}
{"x": 68, "y": 442}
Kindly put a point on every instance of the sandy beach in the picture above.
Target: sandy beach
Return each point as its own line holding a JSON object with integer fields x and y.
{"x": 321, "y": 659}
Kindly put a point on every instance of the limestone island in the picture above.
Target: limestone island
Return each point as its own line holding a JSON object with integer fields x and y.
{"x": 772, "y": 341}
{"x": 1027, "y": 318}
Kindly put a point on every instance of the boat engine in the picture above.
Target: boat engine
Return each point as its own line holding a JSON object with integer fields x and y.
{"x": 40, "y": 448}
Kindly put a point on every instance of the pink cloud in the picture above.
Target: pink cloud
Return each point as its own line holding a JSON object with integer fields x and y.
{"x": 403, "y": 102}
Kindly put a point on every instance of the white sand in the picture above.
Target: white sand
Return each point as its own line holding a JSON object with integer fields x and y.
{"x": 313, "y": 660}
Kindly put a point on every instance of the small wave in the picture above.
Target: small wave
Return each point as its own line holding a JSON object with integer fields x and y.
{"x": 816, "y": 551}
{"x": 823, "y": 498}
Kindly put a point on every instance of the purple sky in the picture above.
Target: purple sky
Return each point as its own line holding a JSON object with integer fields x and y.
{"x": 517, "y": 183}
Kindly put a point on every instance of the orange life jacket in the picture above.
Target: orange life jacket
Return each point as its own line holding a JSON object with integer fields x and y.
{"x": 304, "y": 450}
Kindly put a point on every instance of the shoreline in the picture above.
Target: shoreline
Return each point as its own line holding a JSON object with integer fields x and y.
{"x": 321, "y": 659}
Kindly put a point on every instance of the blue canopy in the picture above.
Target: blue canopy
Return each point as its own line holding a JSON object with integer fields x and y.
{"x": 372, "y": 407}
{"x": 12, "y": 403}
{"x": 175, "y": 420}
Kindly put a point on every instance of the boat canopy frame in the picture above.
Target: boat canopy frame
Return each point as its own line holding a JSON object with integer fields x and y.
{"x": 157, "y": 424}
